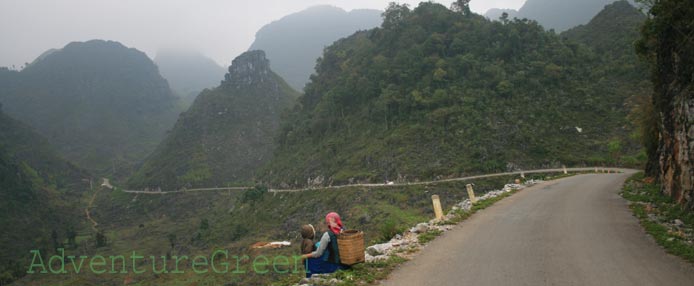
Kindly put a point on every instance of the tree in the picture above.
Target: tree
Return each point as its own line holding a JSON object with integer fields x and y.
{"x": 394, "y": 14}
{"x": 172, "y": 239}
{"x": 54, "y": 239}
{"x": 70, "y": 233}
{"x": 101, "y": 239}
{"x": 462, "y": 6}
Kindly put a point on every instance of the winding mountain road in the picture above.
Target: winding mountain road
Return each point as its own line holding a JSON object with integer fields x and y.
{"x": 107, "y": 184}
{"x": 572, "y": 231}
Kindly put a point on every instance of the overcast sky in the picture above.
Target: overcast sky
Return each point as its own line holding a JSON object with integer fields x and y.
{"x": 220, "y": 29}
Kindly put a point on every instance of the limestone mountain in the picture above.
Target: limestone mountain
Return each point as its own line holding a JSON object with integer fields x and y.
{"x": 38, "y": 195}
{"x": 188, "y": 72}
{"x": 226, "y": 134}
{"x": 435, "y": 93}
{"x": 496, "y": 13}
{"x": 612, "y": 32}
{"x": 100, "y": 104}
{"x": 294, "y": 42}
{"x": 559, "y": 15}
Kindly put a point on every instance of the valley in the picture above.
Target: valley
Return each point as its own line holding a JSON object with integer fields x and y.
{"x": 535, "y": 140}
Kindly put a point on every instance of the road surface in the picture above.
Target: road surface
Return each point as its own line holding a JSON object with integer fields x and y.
{"x": 373, "y": 185}
{"x": 573, "y": 231}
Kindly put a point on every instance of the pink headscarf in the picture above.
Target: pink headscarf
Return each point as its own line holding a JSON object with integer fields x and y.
{"x": 334, "y": 222}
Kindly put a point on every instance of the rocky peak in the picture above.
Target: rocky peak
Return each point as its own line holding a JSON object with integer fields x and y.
{"x": 249, "y": 68}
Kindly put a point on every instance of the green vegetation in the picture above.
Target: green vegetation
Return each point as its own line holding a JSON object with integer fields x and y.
{"x": 195, "y": 223}
{"x": 225, "y": 135}
{"x": 437, "y": 93}
{"x": 39, "y": 193}
{"x": 666, "y": 45}
{"x": 657, "y": 214}
{"x": 429, "y": 236}
{"x": 102, "y": 105}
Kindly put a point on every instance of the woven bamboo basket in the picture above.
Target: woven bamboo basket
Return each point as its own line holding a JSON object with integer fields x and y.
{"x": 351, "y": 246}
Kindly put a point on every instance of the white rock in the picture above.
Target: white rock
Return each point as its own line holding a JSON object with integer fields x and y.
{"x": 379, "y": 249}
{"x": 679, "y": 223}
{"x": 369, "y": 259}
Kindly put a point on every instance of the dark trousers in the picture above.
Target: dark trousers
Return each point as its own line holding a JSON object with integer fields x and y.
{"x": 320, "y": 266}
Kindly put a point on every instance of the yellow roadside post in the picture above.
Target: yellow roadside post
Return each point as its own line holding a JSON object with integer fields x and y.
{"x": 565, "y": 172}
{"x": 438, "y": 211}
{"x": 471, "y": 193}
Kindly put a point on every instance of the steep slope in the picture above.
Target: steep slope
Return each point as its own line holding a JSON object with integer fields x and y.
{"x": 188, "y": 72}
{"x": 102, "y": 105}
{"x": 667, "y": 45}
{"x": 612, "y": 32}
{"x": 226, "y": 134}
{"x": 434, "y": 93}
{"x": 611, "y": 35}
{"x": 294, "y": 42}
{"x": 38, "y": 195}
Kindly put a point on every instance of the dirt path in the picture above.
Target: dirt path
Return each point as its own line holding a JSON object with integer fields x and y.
{"x": 574, "y": 231}
{"x": 87, "y": 210}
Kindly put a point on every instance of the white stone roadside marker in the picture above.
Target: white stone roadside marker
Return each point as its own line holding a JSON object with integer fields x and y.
{"x": 471, "y": 194}
{"x": 438, "y": 211}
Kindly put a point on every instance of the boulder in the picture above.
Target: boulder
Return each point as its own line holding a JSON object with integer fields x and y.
{"x": 420, "y": 228}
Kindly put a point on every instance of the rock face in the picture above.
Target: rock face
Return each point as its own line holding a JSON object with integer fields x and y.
{"x": 676, "y": 146}
{"x": 671, "y": 53}
{"x": 249, "y": 68}
{"x": 226, "y": 134}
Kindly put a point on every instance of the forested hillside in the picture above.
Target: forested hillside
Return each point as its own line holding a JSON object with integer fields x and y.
{"x": 294, "y": 42}
{"x": 435, "y": 93}
{"x": 100, "y": 104}
{"x": 226, "y": 134}
{"x": 38, "y": 197}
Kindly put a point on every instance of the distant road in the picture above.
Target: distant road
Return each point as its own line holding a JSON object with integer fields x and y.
{"x": 106, "y": 183}
{"x": 573, "y": 231}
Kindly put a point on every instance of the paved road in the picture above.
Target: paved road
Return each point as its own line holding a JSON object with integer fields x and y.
{"x": 107, "y": 184}
{"x": 573, "y": 231}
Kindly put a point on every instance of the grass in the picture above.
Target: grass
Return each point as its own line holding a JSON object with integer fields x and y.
{"x": 235, "y": 220}
{"x": 428, "y": 236}
{"x": 656, "y": 212}
{"x": 371, "y": 273}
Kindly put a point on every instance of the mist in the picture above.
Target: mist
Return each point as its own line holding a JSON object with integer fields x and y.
{"x": 218, "y": 29}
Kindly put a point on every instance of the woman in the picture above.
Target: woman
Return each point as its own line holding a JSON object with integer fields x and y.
{"x": 326, "y": 258}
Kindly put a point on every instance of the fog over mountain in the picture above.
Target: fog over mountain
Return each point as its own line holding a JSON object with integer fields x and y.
{"x": 294, "y": 42}
{"x": 188, "y": 72}
{"x": 220, "y": 30}
{"x": 103, "y": 106}
{"x": 559, "y": 15}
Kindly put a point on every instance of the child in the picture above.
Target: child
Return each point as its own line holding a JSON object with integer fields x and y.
{"x": 307, "y": 233}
